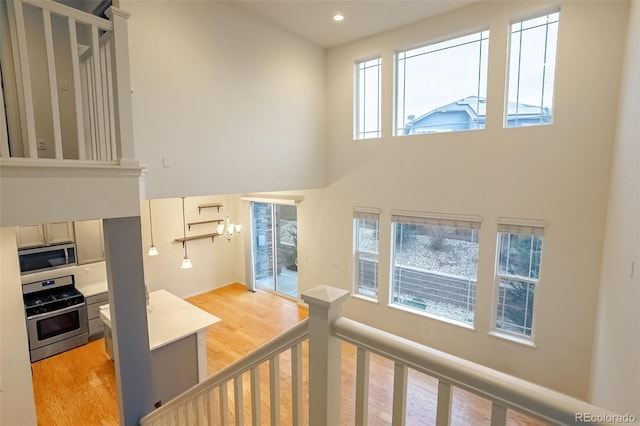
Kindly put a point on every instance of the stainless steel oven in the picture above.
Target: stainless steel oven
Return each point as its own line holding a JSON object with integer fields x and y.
{"x": 56, "y": 316}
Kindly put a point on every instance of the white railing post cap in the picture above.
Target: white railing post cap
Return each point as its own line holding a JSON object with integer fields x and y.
{"x": 116, "y": 11}
{"x": 325, "y": 296}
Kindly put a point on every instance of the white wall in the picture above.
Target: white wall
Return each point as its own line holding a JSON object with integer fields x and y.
{"x": 53, "y": 193}
{"x": 615, "y": 380}
{"x": 17, "y": 405}
{"x": 214, "y": 264}
{"x": 234, "y": 103}
{"x": 558, "y": 174}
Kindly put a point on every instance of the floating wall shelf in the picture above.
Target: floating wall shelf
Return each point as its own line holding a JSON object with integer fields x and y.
{"x": 197, "y": 237}
{"x": 209, "y": 206}
{"x": 203, "y": 222}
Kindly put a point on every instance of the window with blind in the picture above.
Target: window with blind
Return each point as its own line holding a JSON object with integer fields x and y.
{"x": 365, "y": 252}
{"x": 435, "y": 265}
{"x": 532, "y": 63}
{"x": 368, "y": 90}
{"x": 517, "y": 277}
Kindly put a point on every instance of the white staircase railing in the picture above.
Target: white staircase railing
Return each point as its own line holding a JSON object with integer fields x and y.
{"x": 85, "y": 60}
{"x": 210, "y": 403}
{"x": 207, "y": 403}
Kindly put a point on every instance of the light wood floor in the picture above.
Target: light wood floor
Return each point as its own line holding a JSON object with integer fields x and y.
{"x": 78, "y": 387}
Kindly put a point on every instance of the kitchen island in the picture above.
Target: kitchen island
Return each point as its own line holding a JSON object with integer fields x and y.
{"x": 177, "y": 340}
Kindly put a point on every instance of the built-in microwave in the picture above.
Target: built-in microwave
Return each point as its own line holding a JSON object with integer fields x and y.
{"x": 44, "y": 258}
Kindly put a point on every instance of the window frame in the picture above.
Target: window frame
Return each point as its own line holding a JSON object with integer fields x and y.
{"x": 521, "y": 20}
{"x": 517, "y": 227}
{"x": 361, "y": 213}
{"x": 398, "y": 131}
{"x": 445, "y": 220}
{"x": 359, "y": 110}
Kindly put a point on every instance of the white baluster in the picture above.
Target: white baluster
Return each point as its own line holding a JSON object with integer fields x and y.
{"x": 274, "y": 389}
{"x": 498, "y": 414}
{"x": 224, "y": 405}
{"x": 296, "y": 385}
{"x": 211, "y": 407}
{"x": 362, "y": 387}
{"x": 238, "y": 394}
{"x": 53, "y": 85}
{"x": 96, "y": 79}
{"x": 29, "y": 143}
{"x": 400, "y": 376}
{"x": 443, "y": 412}
{"x": 77, "y": 85}
{"x": 255, "y": 395}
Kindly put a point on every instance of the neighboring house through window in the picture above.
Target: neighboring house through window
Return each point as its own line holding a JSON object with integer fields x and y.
{"x": 532, "y": 63}
{"x": 438, "y": 74}
{"x": 368, "y": 89}
{"x": 365, "y": 252}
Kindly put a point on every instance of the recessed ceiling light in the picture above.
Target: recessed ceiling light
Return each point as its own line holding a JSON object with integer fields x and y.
{"x": 338, "y": 17}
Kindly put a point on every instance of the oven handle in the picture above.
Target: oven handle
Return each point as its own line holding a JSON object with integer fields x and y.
{"x": 57, "y": 312}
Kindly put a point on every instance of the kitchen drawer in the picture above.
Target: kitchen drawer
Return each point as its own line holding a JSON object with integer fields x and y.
{"x": 95, "y": 326}
{"x": 102, "y": 298}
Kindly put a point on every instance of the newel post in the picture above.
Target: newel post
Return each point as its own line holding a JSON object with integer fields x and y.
{"x": 325, "y": 306}
{"x": 122, "y": 84}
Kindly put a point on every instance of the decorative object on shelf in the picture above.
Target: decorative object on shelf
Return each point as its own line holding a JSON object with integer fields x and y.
{"x": 153, "y": 251}
{"x": 186, "y": 262}
{"x": 227, "y": 228}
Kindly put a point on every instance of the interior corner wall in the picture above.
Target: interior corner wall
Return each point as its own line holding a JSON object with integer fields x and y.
{"x": 223, "y": 101}
{"x": 215, "y": 263}
{"x": 557, "y": 173}
{"x": 615, "y": 375}
{"x": 17, "y": 404}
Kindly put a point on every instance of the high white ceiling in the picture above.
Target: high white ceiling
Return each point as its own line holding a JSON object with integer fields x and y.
{"x": 313, "y": 19}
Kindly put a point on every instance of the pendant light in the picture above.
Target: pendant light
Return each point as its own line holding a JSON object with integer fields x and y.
{"x": 153, "y": 251}
{"x": 186, "y": 262}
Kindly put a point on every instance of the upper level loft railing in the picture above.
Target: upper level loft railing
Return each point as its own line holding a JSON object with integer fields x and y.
{"x": 326, "y": 329}
{"x": 66, "y": 84}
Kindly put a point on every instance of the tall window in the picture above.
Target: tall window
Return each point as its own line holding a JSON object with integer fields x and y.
{"x": 532, "y": 65}
{"x": 517, "y": 276}
{"x": 368, "y": 88}
{"x": 365, "y": 252}
{"x": 435, "y": 264}
{"x": 442, "y": 87}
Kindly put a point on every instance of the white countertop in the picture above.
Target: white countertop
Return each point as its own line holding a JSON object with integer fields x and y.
{"x": 91, "y": 289}
{"x": 169, "y": 318}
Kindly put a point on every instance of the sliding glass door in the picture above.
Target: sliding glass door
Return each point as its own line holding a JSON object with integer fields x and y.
{"x": 274, "y": 231}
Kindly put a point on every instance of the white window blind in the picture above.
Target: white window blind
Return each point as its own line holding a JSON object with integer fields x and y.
{"x": 366, "y": 213}
{"x": 433, "y": 219}
{"x": 506, "y": 228}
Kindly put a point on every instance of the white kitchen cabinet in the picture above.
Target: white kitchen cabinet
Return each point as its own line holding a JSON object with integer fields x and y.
{"x": 44, "y": 234}
{"x": 93, "y": 313}
{"x": 59, "y": 232}
{"x": 89, "y": 241}
{"x": 177, "y": 337}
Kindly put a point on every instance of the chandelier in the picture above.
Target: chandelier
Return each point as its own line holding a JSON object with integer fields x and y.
{"x": 227, "y": 228}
